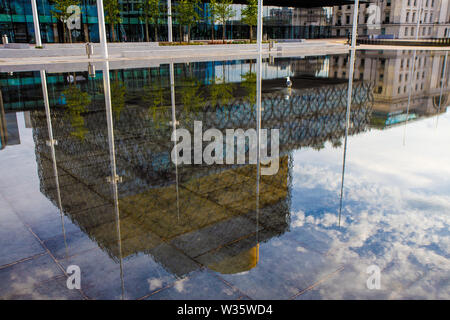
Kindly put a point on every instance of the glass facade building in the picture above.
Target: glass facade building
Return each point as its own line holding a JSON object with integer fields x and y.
{"x": 16, "y": 21}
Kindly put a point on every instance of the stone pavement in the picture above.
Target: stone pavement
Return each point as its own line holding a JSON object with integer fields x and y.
{"x": 70, "y": 53}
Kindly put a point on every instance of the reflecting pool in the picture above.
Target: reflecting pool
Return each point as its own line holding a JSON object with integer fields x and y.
{"x": 88, "y": 179}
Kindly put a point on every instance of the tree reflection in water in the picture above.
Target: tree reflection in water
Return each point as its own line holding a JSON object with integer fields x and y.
{"x": 77, "y": 102}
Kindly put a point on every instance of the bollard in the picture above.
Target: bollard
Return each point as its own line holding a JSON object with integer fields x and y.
{"x": 91, "y": 70}
{"x": 271, "y": 44}
{"x": 271, "y": 60}
{"x": 5, "y": 39}
{"x": 89, "y": 50}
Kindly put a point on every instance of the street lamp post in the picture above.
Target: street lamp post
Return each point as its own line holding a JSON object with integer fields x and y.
{"x": 419, "y": 16}
{"x": 259, "y": 26}
{"x": 355, "y": 23}
{"x": 37, "y": 29}
{"x": 169, "y": 19}
{"x": 102, "y": 29}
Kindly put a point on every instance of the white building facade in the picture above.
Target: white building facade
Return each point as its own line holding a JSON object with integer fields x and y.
{"x": 397, "y": 19}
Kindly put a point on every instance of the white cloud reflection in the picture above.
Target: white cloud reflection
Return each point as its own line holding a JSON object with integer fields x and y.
{"x": 396, "y": 210}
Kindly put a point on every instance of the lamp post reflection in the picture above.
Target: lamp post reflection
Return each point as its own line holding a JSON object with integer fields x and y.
{"x": 349, "y": 102}
{"x": 51, "y": 142}
{"x": 113, "y": 179}
{"x": 174, "y": 124}
{"x": 258, "y": 139}
{"x": 411, "y": 83}
{"x": 3, "y": 129}
{"x": 444, "y": 71}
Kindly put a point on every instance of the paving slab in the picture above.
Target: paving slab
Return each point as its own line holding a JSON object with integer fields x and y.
{"x": 199, "y": 286}
{"x": 17, "y": 241}
{"x": 25, "y": 276}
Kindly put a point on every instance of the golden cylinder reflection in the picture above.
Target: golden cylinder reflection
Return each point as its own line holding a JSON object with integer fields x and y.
{"x": 242, "y": 262}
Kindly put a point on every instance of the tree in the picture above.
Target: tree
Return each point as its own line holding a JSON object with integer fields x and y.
{"x": 250, "y": 15}
{"x": 112, "y": 15}
{"x": 224, "y": 13}
{"x": 61, "y": 13}
{"x": 212, "y": 15}
{"x": 187, "y": 13}
{"x": 151, "y": 13}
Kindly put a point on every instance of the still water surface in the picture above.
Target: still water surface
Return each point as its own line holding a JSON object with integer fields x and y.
{"x": 107, "y": 197}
